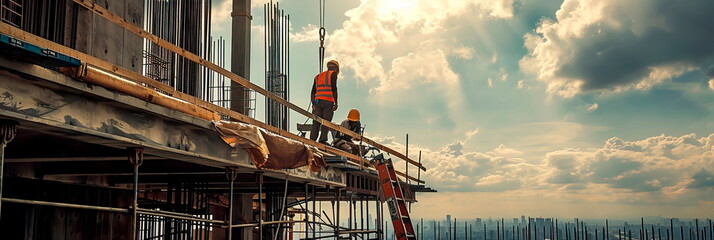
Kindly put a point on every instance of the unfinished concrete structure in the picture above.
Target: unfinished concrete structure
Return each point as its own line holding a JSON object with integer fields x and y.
{"x": 111, "y": 129}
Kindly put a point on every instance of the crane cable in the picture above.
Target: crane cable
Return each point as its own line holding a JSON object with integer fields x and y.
{"x": 321, "y": 49}
{"x": 322, "y": 34}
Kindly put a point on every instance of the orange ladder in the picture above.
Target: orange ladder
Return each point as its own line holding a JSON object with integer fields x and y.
{"x": 403, "y": 228}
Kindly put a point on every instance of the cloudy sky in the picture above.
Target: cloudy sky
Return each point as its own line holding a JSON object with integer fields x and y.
{"x": 600, "y": 108}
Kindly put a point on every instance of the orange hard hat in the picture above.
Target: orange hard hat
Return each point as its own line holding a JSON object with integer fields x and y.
{"x": 353, "y": 115}
{"x": 333, "y": 62}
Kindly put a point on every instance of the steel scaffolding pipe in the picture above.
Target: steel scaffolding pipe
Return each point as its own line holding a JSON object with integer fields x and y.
{"x": 8, "y": 131}
{"x": 136, "y": 158}
{"x": 260, "y": 204}
{"x": 66, "y": 205}
{"x": 231, "y": 174}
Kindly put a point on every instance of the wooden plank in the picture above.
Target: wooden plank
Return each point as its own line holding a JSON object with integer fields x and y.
{"x": 409, "y": 177}
{"x": 235, "y": 78}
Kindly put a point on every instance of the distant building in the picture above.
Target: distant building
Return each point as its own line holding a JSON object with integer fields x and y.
{"x": 448, "y": 224}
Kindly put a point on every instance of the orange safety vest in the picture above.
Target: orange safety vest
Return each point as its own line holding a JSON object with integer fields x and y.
{"x": 323, "y": 85}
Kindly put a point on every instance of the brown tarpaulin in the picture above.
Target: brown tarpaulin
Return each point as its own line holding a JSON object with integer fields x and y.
{"x": 268, "y": 150}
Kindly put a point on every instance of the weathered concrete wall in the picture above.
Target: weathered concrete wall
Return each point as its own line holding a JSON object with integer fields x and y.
{"x": 107, "y": 41}
{"x": 21, "y": 96}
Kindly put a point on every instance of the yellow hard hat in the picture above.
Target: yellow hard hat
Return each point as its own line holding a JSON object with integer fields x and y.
{"x": 334, "y": 62}
{"x": 353, "y": 115}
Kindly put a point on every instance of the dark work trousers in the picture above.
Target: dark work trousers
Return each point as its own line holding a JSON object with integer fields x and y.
{"x": 323, "y": 109}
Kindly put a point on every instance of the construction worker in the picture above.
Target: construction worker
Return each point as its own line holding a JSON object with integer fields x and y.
{"x": 344, "y": 141}
{"x": 324, "y": 99}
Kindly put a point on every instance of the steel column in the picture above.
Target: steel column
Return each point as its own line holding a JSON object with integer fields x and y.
{"x": 240, "y": 52}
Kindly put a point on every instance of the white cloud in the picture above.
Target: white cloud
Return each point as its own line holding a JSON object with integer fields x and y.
{"x": 503, "y": 151}
{"x": 471, "y": 134}
{"x": 504, "y": 74}
{"x": 306, "y": 34}
{"x": 490, "y": 82}
{"x": 656, "y": 170}
{"x": 221, "y": 15}
{"x": 520, "y": 83}
{"x": 593, "y": 107}
{"x": 463, "y": 52}
{"x": 612, "y": 45}
{"x": 423, "y": 66}
{"x": 379, "y": 31}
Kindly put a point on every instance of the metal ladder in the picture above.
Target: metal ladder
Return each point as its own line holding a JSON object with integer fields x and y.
{"x": 403, "y": 228}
